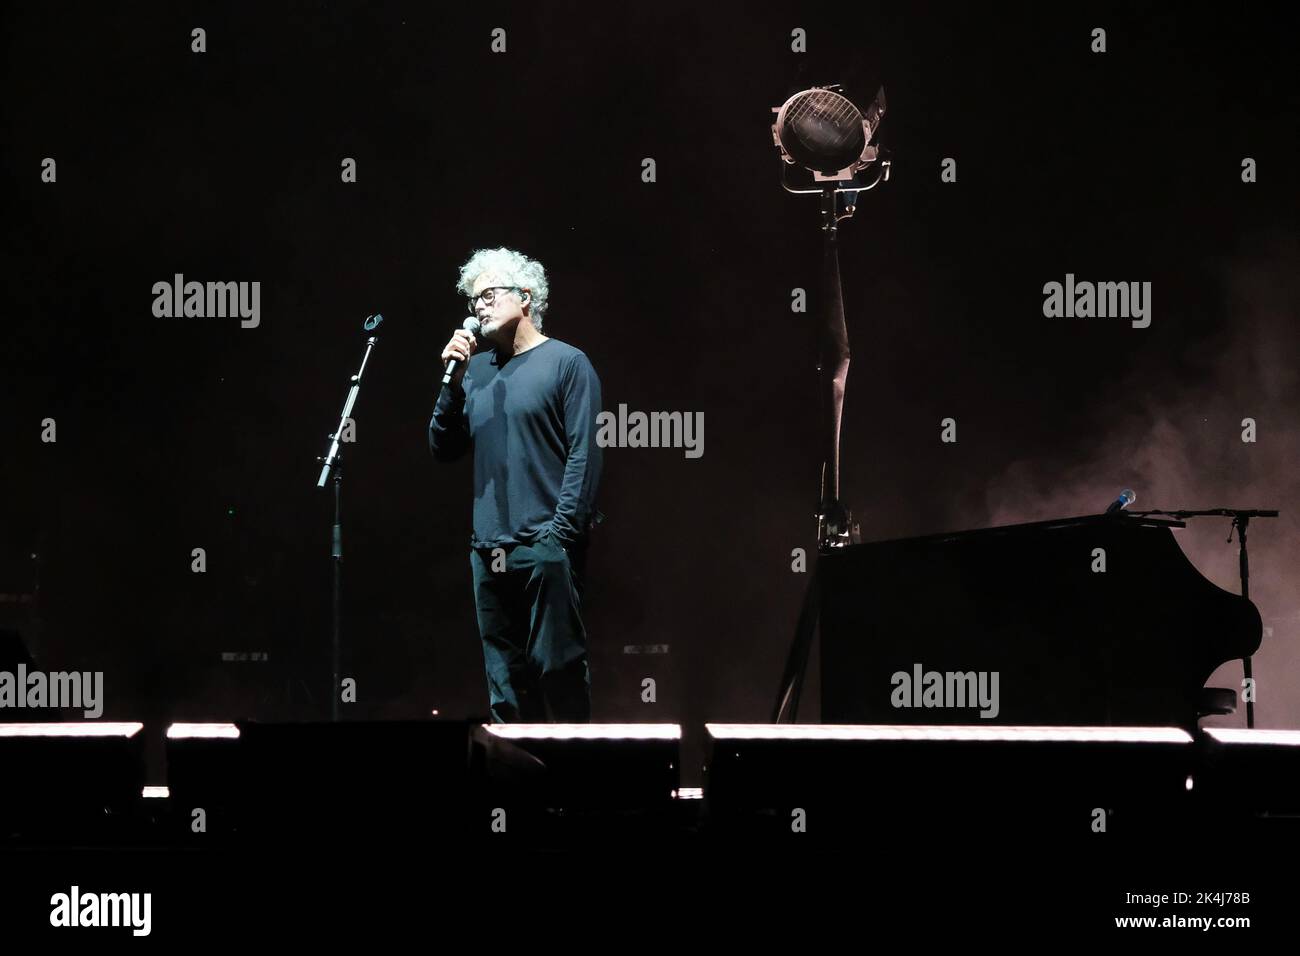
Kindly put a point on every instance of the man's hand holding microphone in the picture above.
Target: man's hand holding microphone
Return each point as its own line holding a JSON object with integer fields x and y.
{"x": 455, "y": 356}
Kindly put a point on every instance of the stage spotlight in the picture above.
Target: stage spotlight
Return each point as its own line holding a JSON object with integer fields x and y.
{"x": 825, "y": 133}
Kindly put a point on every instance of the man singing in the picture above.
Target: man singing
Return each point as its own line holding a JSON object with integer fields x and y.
{"x": 527, "y": 406}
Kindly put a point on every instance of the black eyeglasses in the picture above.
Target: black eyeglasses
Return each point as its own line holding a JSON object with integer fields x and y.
{"x": 488, "y": 295}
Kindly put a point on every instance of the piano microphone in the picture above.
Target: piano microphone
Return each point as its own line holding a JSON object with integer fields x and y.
{"x": 1126, "y": 498}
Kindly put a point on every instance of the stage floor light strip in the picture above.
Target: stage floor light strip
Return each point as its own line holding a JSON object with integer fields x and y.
{"x": 1159, "y": 735}
{"x": 202, "y": 731}
{"x": 72, "y": 729}
{"x": 1240, "y": 735}
{"x": 586, "y": 731}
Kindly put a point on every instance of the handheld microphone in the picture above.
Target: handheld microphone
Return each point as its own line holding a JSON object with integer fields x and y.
{"x": 470, "y": 325}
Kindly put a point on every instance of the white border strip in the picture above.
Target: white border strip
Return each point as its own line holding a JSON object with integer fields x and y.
{"x": 202, "y": 731}
{"x": 72, "y": 729}
{"x": 1158, "y": 735}
{"x": 1241, "y": 735}
{"x": 586, "y": 731}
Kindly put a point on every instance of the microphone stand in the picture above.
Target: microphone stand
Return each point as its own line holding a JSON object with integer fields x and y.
{"x": 332, "y": 465}
{"x": 1240, "y": 521}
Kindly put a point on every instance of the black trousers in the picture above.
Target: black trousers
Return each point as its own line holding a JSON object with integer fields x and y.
{"x": 529, "y": 602}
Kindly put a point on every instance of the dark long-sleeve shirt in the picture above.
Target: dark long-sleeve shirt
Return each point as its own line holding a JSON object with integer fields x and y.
{"x": 531, "y": 424}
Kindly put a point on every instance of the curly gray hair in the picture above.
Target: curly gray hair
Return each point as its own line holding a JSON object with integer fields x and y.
{"x": 512, "y": 268}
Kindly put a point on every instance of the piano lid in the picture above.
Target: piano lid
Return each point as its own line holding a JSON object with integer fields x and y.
{"x": 1093, "y": 619}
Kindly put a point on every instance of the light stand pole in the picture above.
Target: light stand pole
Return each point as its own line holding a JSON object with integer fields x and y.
{"x": 826, "y": 134}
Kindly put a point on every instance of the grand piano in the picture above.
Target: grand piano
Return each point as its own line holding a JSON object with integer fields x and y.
{"x": 1131, "y": 645}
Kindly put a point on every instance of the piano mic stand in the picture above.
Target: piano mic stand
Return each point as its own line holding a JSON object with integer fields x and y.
{"x": 1240, "y": 521}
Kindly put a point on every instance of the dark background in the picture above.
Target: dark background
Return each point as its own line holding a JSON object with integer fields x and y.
{"x": 225, "y": 166}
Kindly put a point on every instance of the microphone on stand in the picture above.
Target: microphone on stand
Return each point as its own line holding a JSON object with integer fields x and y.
{"x": 470, "y": 325}
{"x": 1126, "y": 498}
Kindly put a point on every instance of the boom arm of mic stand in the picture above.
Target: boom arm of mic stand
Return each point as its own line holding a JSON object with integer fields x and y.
{"x": 331, "y": 459}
